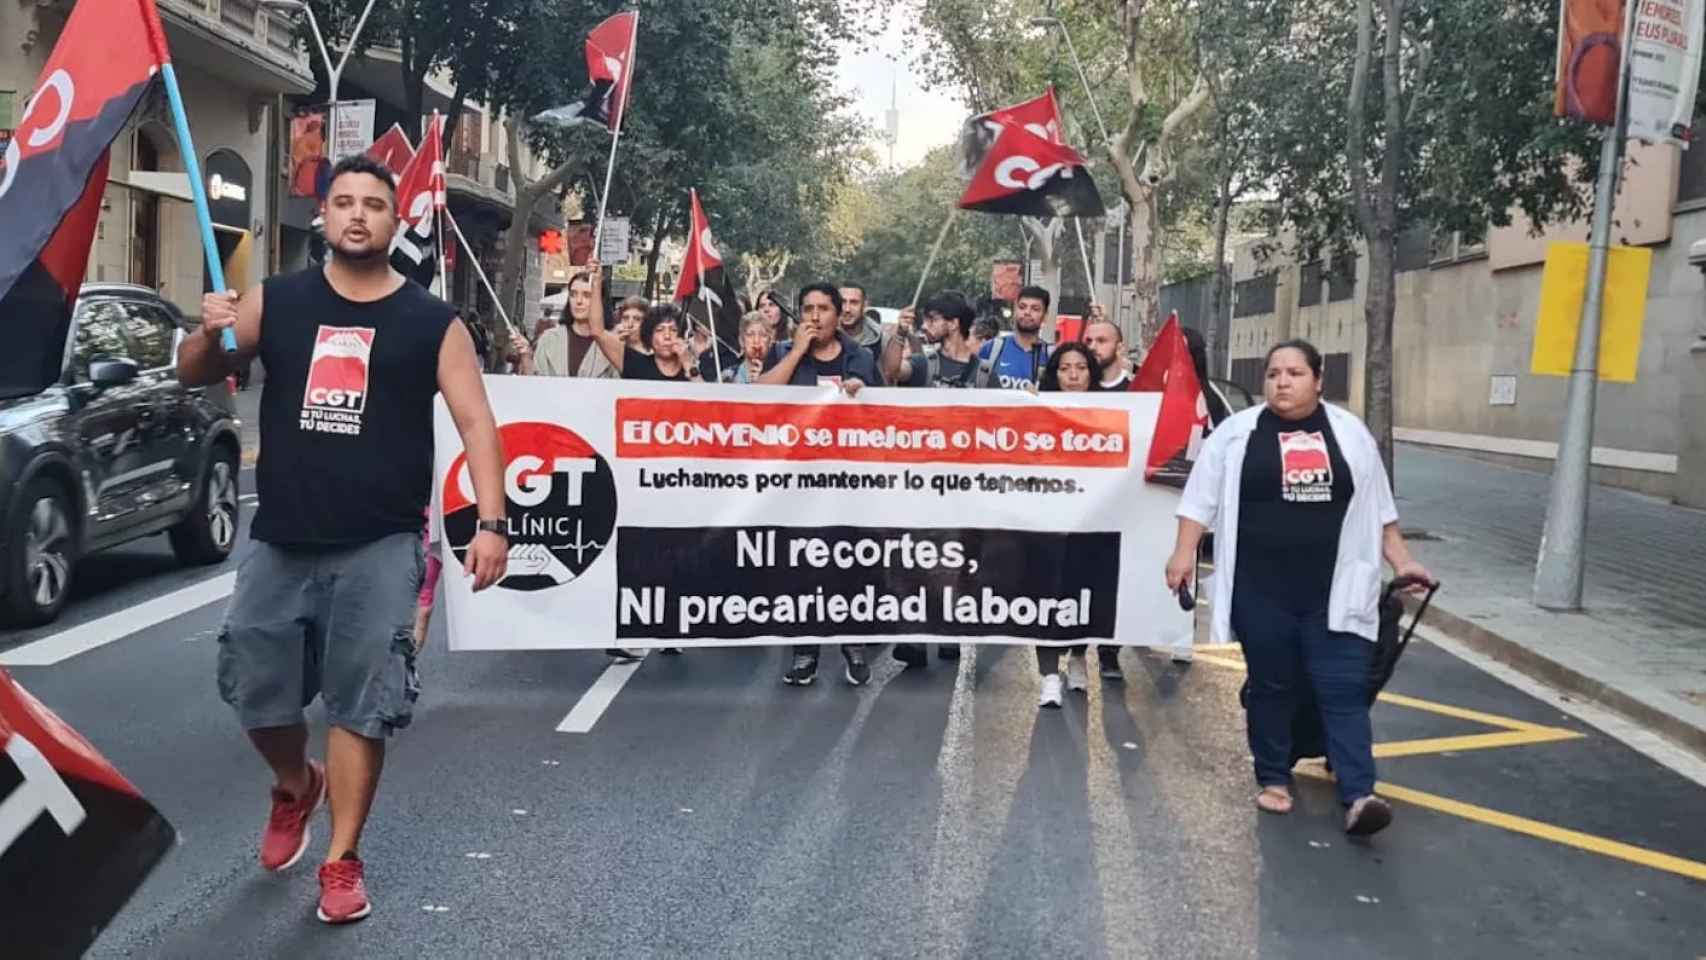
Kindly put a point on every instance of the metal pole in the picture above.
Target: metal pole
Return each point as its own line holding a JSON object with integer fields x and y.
{"x": 940, "y": 237}
{"x": 481, "y": 272}
{"x": 1558, "y": 574}
{"x": 1089, "y": 275}
{"x": 1084, "y": 79}
{"x": 1119, "y": 274}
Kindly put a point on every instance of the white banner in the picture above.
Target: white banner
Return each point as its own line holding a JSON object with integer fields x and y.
{"x": 614, "y": 244}
{"x": 661, "y": 514}
{"x": 353, "y": 133}
{"x": 1664, "y": 72}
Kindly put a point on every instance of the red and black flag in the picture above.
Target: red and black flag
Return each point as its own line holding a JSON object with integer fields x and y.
{"x": 394, "y": 150}
{"x": 420, "y": 197}
{"x": 53, "y": 172}
{"x": 76, "y": 838}
{"x": 609, "y": 69}
{"x": 705, "y": 292}
{"x": 1183, "y": 420}
{"x": 1029, "y": 175}
{"x": 1040, "y": 115}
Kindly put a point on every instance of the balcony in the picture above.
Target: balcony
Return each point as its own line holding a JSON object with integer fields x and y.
{"x": 238, "y": 41}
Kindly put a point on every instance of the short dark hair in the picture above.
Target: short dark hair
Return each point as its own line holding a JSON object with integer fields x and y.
{"x": 1051, "y": 373}
{"x": 850, "y": 285}
{"x": 954, "y": 306}
{"x": 824, "y": 287}
{"x": 1035, "y": 293}
{"x": 657, "y": 316}
{"x": 1311, "y": 355}
{"x": 362, "y": 163}
{"x": 585, "y": 276}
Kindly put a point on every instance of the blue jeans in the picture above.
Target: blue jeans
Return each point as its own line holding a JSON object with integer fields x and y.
{"x": 1295, "y": 660}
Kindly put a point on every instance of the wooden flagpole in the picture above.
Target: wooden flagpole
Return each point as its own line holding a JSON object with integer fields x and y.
{"x": 940, "y": 237}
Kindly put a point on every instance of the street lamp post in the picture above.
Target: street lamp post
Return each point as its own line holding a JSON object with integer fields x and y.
{"x": 334, "y": 72}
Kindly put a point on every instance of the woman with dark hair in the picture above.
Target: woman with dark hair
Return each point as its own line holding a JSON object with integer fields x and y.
{"x": 672, "y": 356}
{"x": 1072, "y": 368}
{"x": 1303, "y": 515}
{"x": 775, "y": 314}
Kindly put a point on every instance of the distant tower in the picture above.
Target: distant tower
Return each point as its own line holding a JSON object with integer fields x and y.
{"x": 893, "y": 126}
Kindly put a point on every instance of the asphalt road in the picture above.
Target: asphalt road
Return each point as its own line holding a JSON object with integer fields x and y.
{"x": 711, "y": 811}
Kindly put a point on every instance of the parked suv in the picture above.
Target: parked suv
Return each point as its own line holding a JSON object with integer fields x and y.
{"x": 115, "y": 451}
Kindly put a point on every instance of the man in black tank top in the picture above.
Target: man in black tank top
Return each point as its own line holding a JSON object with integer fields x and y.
{"x": 326, "y": 594}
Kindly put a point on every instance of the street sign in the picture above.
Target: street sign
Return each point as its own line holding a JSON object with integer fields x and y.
{"x": 613, "y": 243}
{"x": 354, "y": 133}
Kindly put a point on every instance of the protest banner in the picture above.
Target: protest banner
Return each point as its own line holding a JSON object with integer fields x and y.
{"x": 689, "y": 515}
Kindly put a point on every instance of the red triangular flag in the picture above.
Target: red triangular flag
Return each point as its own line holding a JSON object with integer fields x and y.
{"x": 610, "y": 62}
{"x": 702, "y": 254}
{"x": 1183, "y": 419}
{"x": 393, "y": 150}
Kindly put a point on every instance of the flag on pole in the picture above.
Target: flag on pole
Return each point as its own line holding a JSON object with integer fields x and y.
{"x": 53, "y": 172}
{"x": 1029, "y": 175}
{"x": 393, "y": 150}
{"x": 420, "y": 196}
{"x": 610, "y": 70}
{"x": 76, "y": 838}
{"x": 1040, "y": 115}
{"x": 1183, "y": 420}
{"x": 705, "y": 292}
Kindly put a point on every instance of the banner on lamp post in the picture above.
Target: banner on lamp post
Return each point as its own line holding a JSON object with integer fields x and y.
{"x": 1664, "y": 70}
{"x": 354, "y": 133}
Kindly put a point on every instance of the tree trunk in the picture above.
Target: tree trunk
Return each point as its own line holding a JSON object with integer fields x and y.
{"x": 1145, "y": 277}
{"x": 1219, "y": 332}
{"x": 661, "y": 231}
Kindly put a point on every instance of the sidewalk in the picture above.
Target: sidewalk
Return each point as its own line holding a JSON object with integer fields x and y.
{"x": 1638, "y": 647}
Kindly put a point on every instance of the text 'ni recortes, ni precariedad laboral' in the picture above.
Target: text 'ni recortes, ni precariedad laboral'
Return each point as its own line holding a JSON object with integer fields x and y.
{"x": 735, "y": 583}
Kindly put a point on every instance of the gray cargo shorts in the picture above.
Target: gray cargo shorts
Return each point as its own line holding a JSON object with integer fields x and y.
{"x": 336, "y": 623}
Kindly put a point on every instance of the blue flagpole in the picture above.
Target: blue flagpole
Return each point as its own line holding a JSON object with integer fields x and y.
{"x": 198, "y": 192}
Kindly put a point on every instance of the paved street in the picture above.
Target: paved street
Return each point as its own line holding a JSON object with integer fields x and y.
{"x": 710, "y": 811}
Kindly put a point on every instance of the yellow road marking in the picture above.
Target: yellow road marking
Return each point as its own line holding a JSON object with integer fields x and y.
{"x": 1447, "y": 710}
{"x": 1630, "y": 853}
{"x": 1476, "y": 741}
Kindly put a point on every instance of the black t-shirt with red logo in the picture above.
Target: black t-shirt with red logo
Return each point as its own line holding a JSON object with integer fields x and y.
{"x": 1293, "y": 496}
{"x": 346, "y": 412}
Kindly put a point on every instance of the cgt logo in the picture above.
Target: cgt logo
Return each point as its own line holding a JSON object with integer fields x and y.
{"x": 1304, "y": 460}
{"x": 337, "y": 374}
{"x": 1020, "y": 172}
{"x": 561, "y": 505}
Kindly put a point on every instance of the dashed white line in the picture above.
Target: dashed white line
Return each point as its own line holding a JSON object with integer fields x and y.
{"x": 598, "y": 697}
{"x": 95, "y": 634}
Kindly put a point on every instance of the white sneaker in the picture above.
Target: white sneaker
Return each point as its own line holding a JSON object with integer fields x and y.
{"x": 1077, "y": 677}
{"x": 1051, "y": 692}
{"x": 1183, "y": 655}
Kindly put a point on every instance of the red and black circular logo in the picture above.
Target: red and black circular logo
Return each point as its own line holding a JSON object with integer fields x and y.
{"x": 561, "y": 505}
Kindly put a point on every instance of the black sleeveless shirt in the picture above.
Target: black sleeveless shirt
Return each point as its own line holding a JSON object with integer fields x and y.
{"x": 346, "y": 412}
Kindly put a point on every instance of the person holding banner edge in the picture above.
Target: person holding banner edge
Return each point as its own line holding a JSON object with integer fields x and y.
{"x": 326, "y": 594}
{"x": 1303, "y": 515}
{"x": 1072, "y": 369}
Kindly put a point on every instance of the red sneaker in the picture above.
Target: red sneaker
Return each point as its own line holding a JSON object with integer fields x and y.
{"x": 286, "y": 835}
{"x": 343, "y": 894}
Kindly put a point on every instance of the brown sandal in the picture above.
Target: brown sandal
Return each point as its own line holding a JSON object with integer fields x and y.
{"x": 1274, "y": 800}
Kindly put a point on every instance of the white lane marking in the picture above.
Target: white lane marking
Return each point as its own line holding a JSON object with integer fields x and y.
{"x": 598, "y": 697}
{"x": 1614, "y": 725}
{"x": 95, "y": 634}
{"x": 253, "y": 498}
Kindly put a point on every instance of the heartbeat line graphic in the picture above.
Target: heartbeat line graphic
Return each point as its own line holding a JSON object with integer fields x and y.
{"x": 581, "y": 546}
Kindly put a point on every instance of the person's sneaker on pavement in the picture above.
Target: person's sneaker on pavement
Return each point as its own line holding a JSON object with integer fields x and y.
{"x": 286, "y": 835}
{"x": 858, "y": 671}
{"x": 804, "y": 671}
{"x": 343, "y": 892}
{"x": 1051, "y": 692}
{"x": 911, "y": 654}
{"x": 1109, "y": 659}
{"x": 624, "y": 656}
{"x": 1077, "y": 674}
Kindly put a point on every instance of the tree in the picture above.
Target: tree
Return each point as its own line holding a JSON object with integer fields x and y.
{"x": 1450, "y": 128}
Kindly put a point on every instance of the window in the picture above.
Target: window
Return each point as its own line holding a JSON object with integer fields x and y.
{"x": 1342, "y": 280}
{"x": 145, "y": 219}
{"x": 1249, "y": 374}
{"x": 100, "y": 336}
{"x": 1336, "y": 377}
{"x": 150, "y": 333}
{"x": 1255, "y": 296}
{"x": 1309, "y": 289}
{"x": 8, "y": 109}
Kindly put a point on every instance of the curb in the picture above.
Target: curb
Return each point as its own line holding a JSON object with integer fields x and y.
{"x": 1567, "y": 679}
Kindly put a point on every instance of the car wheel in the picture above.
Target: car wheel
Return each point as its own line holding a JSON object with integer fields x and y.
{"x": 208, "y": 533}
{"x": 41, "y": 556}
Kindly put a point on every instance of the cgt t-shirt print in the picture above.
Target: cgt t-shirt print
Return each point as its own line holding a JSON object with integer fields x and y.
{"x": 1293, "y": 496}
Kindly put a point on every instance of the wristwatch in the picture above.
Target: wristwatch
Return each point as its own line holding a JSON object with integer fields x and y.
{"x": 499, "y": 527}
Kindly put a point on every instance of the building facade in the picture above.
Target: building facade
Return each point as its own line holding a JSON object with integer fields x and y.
{"x": 1465, "y": 330}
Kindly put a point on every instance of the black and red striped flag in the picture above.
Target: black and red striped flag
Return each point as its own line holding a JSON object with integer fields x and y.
{"x": 1022, "y": 166}
{"x": 705, "y": 291}
{"x": 1183, "y": 420}
{"x": 609, "y": 70}
{"x": 53, "y": 172}
{"x": 420, "y": 196}
{"x": 76, "y": 838}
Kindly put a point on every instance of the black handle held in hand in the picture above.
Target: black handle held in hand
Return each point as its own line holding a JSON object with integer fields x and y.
{"x": 1187, "y": 602}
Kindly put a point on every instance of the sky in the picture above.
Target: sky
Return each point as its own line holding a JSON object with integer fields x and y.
{"x": 928, "y": 118}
